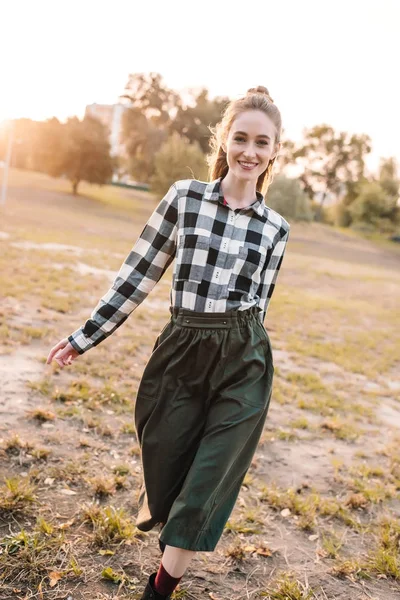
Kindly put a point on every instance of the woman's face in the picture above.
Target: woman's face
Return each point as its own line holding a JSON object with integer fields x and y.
{"x": 250, "y": 144}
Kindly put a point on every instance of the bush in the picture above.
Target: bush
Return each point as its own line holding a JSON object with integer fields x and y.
{"x": 374, "y": 209}
{"x": 286, "y": 197}
{"x": 342, "y": 215}
{"x": 177, "y": 159}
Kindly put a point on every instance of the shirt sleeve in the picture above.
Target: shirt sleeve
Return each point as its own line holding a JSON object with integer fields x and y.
{"x": 271, "y": 269}
{"x": 144, "y": 266}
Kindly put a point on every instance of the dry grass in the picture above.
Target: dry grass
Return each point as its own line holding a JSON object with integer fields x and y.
{"x": 320, "y": 502}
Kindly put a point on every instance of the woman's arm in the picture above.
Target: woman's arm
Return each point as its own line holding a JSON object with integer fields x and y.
{"x": 144, "y": 266}
{"x": 271, "y": 269}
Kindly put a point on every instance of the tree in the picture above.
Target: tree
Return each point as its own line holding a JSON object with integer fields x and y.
{"x": 155, "y": 112}
{"x": 374, "y": 208}
{"x": 77, "y": 150}
{"x": 146, "y": 124}
{"x": 373, "y": 203}
{"x": 193, "y": 121}
{"x": 86, "y": 155}
{"x": 286, "y": 196}
{"x": 48, "y": 147}
{"x": 388, "y": 177}
{"x": 153, "y": 99}
{"x": 177, "y": 159}
{"x": 142, "y": 140}
{"x": 332, "y": 162}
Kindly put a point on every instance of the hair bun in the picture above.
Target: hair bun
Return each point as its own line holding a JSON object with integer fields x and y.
{"x": 260, "y": 89}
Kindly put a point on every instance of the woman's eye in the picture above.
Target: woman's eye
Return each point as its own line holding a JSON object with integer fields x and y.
{"x": 240, "y": 139}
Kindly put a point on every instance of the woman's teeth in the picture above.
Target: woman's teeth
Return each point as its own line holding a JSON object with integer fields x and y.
{"x": 247, "y": 166}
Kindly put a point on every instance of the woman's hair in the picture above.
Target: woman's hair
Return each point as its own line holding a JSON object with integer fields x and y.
{"x": 255, "y": 99}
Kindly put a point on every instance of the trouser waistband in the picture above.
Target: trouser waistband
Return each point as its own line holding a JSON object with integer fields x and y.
{"x": 188, "y": 318}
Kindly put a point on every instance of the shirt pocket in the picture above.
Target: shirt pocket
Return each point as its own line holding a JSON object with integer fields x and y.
{"x": 246, "y": 272}
{"x": 191, "y": 257}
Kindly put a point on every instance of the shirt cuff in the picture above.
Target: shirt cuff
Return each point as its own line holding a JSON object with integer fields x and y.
{"x": 79, "y": 341}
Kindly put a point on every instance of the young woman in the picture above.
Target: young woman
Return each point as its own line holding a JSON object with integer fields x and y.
{"x": 204, "y": 394}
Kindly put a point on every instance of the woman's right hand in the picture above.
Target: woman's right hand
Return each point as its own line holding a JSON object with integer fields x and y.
{"x": 63, "y": 353}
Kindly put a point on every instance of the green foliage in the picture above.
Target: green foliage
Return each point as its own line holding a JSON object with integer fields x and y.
{"x": 155, "y": 113}
{"x": 388, "y": 177}
{"x": 142, "y": 138}
{"x": 374, "y": 208}
{"x": 286, "y": 196}
{"x": 330, "y": 161}
{"x": 342, "y": 215}
{"x": 193, "y": 121}
{"x": 77, "y": 150}
{"x": 86, "y": 155}
{"x": 177, "y": 159}
{"x": 322, "y": 214}
{"x": 148, "y": 94}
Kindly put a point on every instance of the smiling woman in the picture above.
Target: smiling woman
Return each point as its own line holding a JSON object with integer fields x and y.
{"x": 204, "y": 394}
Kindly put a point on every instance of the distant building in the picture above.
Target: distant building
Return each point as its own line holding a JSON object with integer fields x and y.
{"x": 111, "y": 116}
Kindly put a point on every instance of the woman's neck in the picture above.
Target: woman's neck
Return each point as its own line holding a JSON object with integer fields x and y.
{"x": 238, "y": 192}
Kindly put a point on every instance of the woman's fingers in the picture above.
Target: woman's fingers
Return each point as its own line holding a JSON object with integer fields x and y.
{"x": 63, "y": 353}
{"x": 55, "y": 348}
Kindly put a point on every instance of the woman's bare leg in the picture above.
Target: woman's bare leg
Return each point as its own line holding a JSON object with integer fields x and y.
{"x": 176, "y": 560}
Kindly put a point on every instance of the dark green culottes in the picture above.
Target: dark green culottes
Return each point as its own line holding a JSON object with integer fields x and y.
{"x": 200, "y": 410}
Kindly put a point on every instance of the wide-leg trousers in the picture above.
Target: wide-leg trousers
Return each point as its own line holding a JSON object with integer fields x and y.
{"x": 200, "y": 410}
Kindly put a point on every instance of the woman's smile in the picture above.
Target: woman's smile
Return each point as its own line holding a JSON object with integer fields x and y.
{"x": 247, "y": 166}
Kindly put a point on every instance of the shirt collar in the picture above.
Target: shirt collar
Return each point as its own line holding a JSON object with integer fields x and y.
{"x": 213, "y": 192}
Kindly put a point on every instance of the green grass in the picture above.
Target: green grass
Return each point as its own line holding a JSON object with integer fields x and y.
{"x": 335, "y": 336}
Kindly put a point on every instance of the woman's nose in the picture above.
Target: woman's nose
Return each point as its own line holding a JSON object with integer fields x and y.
{"x": 249, "y": 153}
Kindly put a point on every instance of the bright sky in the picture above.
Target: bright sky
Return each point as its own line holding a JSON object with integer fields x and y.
{"x": 323, "y": 61}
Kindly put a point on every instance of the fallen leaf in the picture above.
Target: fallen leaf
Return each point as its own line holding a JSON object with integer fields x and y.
{"x": 54, "y": 576}
{"x": 264, "y": 551}
{"x": 66, "y": 525}
{"x": 68, "y": 492}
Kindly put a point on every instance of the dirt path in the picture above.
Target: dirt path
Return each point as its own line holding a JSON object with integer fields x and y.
{"x": 307, "y": 523}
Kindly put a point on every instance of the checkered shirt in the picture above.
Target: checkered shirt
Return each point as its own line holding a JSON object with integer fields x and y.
{"x": 225, "y": 259}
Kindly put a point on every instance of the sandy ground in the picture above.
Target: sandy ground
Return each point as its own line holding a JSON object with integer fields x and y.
{"x": 334, "y": 264}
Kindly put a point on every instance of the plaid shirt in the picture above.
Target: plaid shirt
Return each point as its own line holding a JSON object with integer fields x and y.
{"x": 225, "y": 259}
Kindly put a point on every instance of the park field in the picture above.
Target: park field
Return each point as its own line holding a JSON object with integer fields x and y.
{"x": 318, "y": 513}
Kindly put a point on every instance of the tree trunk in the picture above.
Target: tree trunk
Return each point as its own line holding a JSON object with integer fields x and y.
{"x": 321, "y": 206}
{"x": 75, "y": 187}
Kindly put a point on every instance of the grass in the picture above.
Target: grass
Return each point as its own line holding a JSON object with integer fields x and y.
{"x": 287, "y": 587}
{"x": 331, "y": 544}
{"x": 308, "y": 506}
{"x": 41, "y": 414}
{"x": 110, "y": 525}
{"x": 37, "y": 558}
{"x": 17, "y": 494}
{"x": 332, "y": 337}
{"x": 102, "y": 486}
